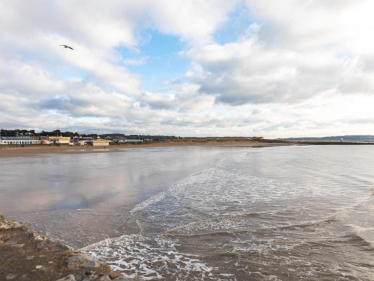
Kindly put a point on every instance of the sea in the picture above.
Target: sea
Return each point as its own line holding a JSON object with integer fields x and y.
{"x": 205, "y": 213}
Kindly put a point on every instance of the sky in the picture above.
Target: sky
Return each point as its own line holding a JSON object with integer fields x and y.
{"x": 285, "y": 68}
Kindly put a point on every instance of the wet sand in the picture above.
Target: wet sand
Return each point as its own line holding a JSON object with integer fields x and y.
{"x": 82, "y": 199}
{"x": 96, "y": 218}
{"x": 18, "y": 151}
{"x": 27, "y": 255}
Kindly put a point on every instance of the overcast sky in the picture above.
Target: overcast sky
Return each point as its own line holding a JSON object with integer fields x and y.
{"x": 188, "y": 67}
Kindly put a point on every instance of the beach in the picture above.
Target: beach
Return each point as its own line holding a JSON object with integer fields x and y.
{"x": 202, "y": 212}
{"x": 17, "y": 151}
{"x": 55, "y": 221}
{"x": 27, "y": 255}
{"x": 43, "y": 258}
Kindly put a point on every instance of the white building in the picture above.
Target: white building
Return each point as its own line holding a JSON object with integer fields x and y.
{"x": 98, "y": 142}
{"x": 18, "y": 141}
{"x": 59, "y": 140}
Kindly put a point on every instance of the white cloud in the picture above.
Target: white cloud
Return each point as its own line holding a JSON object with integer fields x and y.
{"x": 302, "y": 67}
{"x": 195, "y": 21}
{"x": 306, "y": 25}
{"x": 22, "y": 77}
{"x": 297, "y": 51}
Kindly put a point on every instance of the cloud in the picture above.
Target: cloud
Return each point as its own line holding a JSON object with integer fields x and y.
{"x": 306, "y": 25}
{"x": 28, "y": 78}
{"x": 87, "y": 100}
{"x": 295, "y": 51}
{"x": 194, "y": 21}
{"x": 297, "y": 67}
{"x": 181, "y": 97}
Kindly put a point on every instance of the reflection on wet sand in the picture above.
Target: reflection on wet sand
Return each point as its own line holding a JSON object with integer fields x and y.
{"x": 90, "y": 195}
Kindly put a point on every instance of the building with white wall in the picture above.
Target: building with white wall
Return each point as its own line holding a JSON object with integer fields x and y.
{"x": 99, "y": 142}
{"x": 59, "y": 140}
{"x": 19, "y": 141}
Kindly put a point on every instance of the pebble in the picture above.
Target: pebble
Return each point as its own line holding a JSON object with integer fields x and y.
{"x": 68, "y": 278}
{"x": 10, "y": 276}
{"x": 78, "y": 277}
{"x": 115, "y": 274}
{"x": 18, "y": 245}
{"x": 80, "y": 260}
{"x": 105, "y": 277}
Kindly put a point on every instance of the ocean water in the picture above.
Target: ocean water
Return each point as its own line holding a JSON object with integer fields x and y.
{"x": 277, "y": 213}
{"x": 80, "y": 198}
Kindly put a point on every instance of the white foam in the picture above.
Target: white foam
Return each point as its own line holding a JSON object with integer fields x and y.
{"x": 151, "y": 258}
{"x": 150, "y": 201}
{"x": 228, "y": 210}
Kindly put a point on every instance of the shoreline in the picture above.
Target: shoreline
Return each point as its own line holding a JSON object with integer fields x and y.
{"x": 19, "y": 151}
{"x": 31, "y": 150}
{"x": 27, "y": 255}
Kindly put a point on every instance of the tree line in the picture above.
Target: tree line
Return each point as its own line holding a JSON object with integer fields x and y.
{"x": 18, "y": 133}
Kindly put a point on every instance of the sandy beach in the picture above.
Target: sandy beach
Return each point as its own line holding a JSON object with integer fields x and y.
{"x": 27, "y": 255}
{"x": 18, "y": 151}
{"x": 187, "y": 211}
{"x": 45, "y": 259}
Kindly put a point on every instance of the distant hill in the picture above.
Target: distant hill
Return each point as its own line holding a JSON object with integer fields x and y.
{"x": 363, "y": 138}
{"x": 142, "y": 137}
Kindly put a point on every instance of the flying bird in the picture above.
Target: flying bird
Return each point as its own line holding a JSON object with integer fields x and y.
{"x": 66, "y": 46}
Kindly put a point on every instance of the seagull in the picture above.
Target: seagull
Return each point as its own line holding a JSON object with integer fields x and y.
{"x": 66, "y": 46}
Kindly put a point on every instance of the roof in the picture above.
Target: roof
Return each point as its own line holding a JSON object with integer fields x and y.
{"x": 98, "y": 140}
{"x": 59, "y": 138}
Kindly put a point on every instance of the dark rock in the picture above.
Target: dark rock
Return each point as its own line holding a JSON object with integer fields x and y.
{"x": 56, "y": 246}
{"x": 80, "y": 260}
{"x": 31, "y": 256}
{"x": 87, "y": 273}
{"x": 42, "y": 246}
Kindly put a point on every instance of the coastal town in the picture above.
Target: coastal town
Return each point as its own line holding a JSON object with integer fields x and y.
{"x": 57, "y": 138}
{"x": 26, "y": 137}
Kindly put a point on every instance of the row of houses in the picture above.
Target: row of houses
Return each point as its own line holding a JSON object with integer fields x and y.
{"x": 19, "y": 140}
{"x": 46, "y": 140}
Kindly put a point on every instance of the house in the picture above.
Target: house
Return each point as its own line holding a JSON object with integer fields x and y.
{"x": 99, "y": 142}
{"x": 19, "y": 141}
{"x": 59, "y": 140}
{"x": 129, "y": 140}
{"x": 81, "y": 140}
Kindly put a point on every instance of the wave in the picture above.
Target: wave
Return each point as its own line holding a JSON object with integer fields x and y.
{"x": 226, "y": 212}
{"x": 154, "y": 199}
{"x": 152, "y": 258}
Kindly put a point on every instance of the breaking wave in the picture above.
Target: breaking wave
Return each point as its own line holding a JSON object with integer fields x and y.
{"x": 233, "y": 222}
